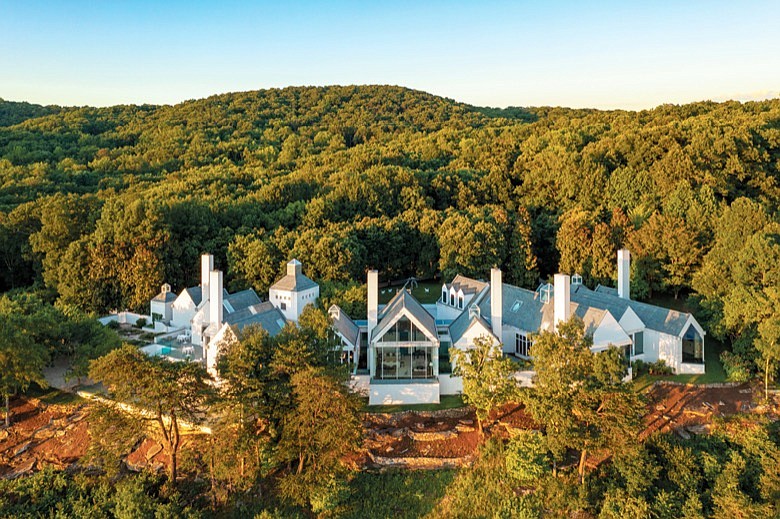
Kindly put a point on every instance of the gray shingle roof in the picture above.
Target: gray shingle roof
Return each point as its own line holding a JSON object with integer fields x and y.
{"x": 468, "y": 285}
{"x": 195, "y": 293}
{"x": 654, "y": 317}
{"x": 265, "y": 314}
{"x": 521, "y": 308}
{"x": 401, "y": 300}
{"x": 345, "y": 325}
{"x": 165, "y": 297}
{"x": 241, "y": 300}
{"x": 294, "y": 283}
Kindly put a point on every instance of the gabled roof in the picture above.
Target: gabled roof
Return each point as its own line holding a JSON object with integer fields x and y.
{"x": 521, "y": 308}
{"x": 296, "y": 282}
{"x": 165, "y": 297}
{"x": 404, "y": 300}
{"x": 654, "y": 317}
{"x": 468, "y": 285}
{"x": 195, "y": 293}
{"x": 265, "y": 314}
{"x": 240, "y": 300}
{"x": 465, "y": 321}
{"x": 344, "y": 324}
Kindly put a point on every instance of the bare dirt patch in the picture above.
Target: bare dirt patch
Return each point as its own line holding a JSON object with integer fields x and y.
{"x": 689, "y": 409}
{"x": 434, "y": 439}
{"x": 42, "y": 435}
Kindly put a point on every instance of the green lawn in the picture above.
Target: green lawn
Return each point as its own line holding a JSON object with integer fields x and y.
{"x": 713, "y": 369}
{"x": 395, "y": 494}
{"x": 53, "y": 396}
{"x": 445, "y": 402}
{"x": 419, "y": 293}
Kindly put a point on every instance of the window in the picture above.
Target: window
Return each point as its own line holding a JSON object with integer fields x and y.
{"x": 516, "y": 306}
{"x": 283, "y": 306}
{"x": 460, "y": 302}
{"x": 638, "y": 342}
{"x": 522, "y": 345}
{"x": 692, "y": 346}
{"x": 452, "y": 299}
{"x": 444, "y": 295}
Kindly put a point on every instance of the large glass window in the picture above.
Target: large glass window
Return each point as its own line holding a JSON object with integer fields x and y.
{"x": 638, "y": 343}
{"x": 522, "y": 345}
{"x": 692, "y": 346}
{"x": 405, "y": 362}
{"x": 403, "y": 330}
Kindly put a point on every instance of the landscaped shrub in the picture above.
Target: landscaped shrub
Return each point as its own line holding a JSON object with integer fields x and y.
{"x": 114, "y": 325}
{"x": 737, "y": 368}
{"x": 659, "y": 367}
{"x": 141, "y": 322}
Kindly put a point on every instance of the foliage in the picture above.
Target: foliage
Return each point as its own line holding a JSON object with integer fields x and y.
{"x": 487, "y": 376}
{"x": 166, "y": 393}
{"x": 738, "y": 369}
{"x": 580, "y": 397}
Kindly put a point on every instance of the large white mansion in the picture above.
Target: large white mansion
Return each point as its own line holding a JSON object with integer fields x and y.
{"x": 399, "y": 351}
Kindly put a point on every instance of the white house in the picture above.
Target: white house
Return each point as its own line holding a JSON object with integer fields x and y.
{"x": 161, "y": 306}
{"x": 407, "y": 343}
{"x": 293, "y": 292}
{"x": 211, "y": 318}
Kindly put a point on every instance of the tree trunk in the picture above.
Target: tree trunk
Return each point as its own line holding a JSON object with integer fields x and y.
{"x": 581, "y": 468}
{"x": 479, "y": 428}
{"x": 555, "y": 468}
{"x": 300, "y": 463}
{"x": 766, "y": 380}
{"x": 7, "y": 411}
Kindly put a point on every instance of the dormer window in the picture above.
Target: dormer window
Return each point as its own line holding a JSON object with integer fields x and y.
{"x": 474, "y": 311}
{"x": 452, "y": 299}
{"x": 460, "y": 302}
{"x": 444, "y": 295}
{"x": 576, "y": 279}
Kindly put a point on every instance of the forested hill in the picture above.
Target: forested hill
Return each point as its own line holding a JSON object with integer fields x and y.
{"x": 12, "y": 112}
{"x": 99, "y": 206}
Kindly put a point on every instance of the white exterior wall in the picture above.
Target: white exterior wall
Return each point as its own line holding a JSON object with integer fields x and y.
{"x": 410, "y": 393}
{"x": 475, "y": 331}
{"x": 183, "y": 310}
{"x": 662, "y": 346}
{"x": 217, "y": 346}
{"x": 449, "y": 385}
{"x": 294, "y": 302}
{"x": 162, "y": 308}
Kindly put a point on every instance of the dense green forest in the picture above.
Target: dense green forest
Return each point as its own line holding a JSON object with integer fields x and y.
{"x": 100, "y": 206}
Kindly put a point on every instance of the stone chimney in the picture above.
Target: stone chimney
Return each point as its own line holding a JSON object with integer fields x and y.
{"x": 562, "y": 299}
{"x": 624, "y": 274}
{"x": 215, "y": 297}
{"x": 294, "y": 267}
{"x": 373, "y": 300}
{"x": 496, "y": 302}
{"x": 206, "y": 266}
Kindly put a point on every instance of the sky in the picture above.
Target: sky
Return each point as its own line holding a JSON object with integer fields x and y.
{"x": 608, "y": 54}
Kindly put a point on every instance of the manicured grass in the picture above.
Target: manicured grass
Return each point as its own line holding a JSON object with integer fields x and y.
{"x": 53, "y": 396}
{"x": 713, "y": 369}
{"x": 395, "y": 494}
{"x": 445, "y": 402}
{"x": 419, "y": 293}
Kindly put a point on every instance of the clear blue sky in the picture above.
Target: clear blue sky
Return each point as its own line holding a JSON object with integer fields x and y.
{"x": 580, "y": 54}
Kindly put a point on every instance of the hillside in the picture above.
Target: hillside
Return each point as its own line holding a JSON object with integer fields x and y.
{"x": 347, "y": 178}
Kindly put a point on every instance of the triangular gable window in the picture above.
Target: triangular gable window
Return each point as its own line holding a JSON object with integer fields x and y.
{"x": 404, "y": 330}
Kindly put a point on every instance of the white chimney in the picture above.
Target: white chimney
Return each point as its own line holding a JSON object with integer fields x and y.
{"x": 215, "y": 297}
{"x": 373, "y": 300}
{"x": 562, "y": 299}
{"x": 496, "y": 302}
{"x": 624, "y": 274}
{"x": 206, "y": 266}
